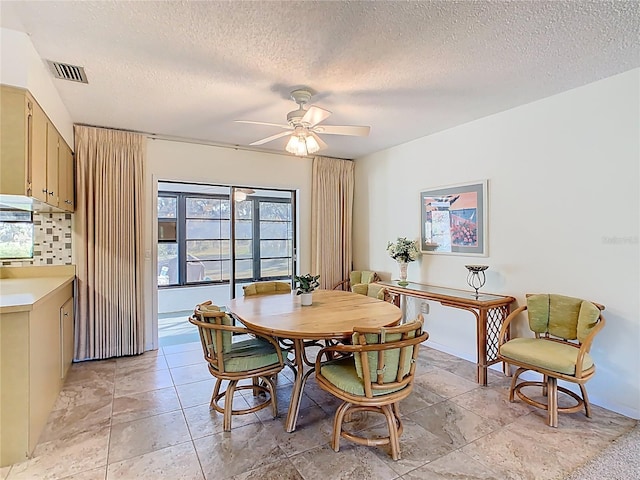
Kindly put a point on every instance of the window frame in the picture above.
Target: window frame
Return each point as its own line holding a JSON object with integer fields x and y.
{"x": 182, "y": 241}
{"x": 33, "y": 233}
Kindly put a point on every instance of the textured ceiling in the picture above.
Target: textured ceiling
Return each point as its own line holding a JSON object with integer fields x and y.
{"x": 407, "y": 69}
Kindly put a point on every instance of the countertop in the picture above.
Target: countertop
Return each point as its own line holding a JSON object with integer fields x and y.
{"x": 21, "y": 288}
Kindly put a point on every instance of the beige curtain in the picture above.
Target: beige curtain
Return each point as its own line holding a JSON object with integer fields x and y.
{"x": 108, "y": 242}
{"x": 332, "y": 219}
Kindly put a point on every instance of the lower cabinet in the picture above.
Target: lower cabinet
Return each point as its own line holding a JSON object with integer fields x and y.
{"x": 36, "y": 350}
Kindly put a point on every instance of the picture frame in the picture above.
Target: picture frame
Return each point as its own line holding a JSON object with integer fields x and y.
{"x": 454, "y": 219}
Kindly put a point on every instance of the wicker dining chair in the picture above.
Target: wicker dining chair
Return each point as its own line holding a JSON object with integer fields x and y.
{"x": 375, "y": 379}
{"x": 258, "y": 359}
{"x": 564, "y": 329}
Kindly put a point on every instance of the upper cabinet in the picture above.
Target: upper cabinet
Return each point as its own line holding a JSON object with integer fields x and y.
{"x": 34, "y": 158}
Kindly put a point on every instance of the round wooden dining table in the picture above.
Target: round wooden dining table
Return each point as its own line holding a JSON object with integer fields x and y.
{"x": 332, "y": 315}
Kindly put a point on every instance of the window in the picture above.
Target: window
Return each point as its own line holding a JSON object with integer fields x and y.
{"x": 195, "y": 232}
{"x": 16, "y": 234}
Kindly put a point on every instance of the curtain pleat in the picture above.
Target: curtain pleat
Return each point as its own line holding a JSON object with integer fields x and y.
{"x": 332, "y": 219}
{"x": 108, "y": 240}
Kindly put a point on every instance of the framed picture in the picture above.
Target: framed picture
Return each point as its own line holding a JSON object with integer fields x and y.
{"x": 454, "y": 219}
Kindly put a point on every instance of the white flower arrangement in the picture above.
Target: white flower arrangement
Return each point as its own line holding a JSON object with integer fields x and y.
{"x": 403, "y": 250}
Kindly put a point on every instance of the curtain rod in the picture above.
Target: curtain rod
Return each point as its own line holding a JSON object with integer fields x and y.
{"x": 195, "y": 141}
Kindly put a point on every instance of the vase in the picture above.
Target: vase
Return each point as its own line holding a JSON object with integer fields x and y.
{"x": 306, "y": 299}
{"x": 403, "y": 273}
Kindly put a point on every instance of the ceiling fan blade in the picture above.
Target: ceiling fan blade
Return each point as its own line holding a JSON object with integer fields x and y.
{"x": 321, "y": 143}
{"x": 272, "y": 137}
{"x": 354, "y": 130}
{"x": 288, "y": 127}
{"x": 315, "y": 115}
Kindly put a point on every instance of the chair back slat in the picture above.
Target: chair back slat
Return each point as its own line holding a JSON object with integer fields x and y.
{"x": 385, "y": 357}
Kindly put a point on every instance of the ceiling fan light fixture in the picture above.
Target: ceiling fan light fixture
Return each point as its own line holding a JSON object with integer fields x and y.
{"x": 301, "y": 143}
{"x": 312, "y": 145}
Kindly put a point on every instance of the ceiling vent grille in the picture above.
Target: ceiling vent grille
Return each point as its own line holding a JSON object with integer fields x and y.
{"x": 64, "y": 71}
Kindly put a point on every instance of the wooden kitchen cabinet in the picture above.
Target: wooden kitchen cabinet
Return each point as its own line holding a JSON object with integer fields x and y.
{"x": 36, "y": 351}
{"x": 66, "y": 340}
{"x": 66, "y": 178}
{"x": 34, "y": 158}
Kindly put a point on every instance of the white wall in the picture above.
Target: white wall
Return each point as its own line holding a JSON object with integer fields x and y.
{"x": 187, "y": 162}
{"x": 564, "y": 213}
{"x": 21, "y": 66}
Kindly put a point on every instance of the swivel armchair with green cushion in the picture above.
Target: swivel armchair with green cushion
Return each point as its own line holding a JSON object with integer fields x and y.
{"x": 378, "y": 375}
{"x": 258, "y": 359}
{"x": 564, "y": 329}
{"x": 357, "y": 277}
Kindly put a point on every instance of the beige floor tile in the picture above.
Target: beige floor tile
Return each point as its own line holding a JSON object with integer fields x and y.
{"x": 420, "y": 397}
{"x": 93, "y": 474}
{"x": 64, "y": 424}
{"x": 453, "y": 466}
{"x": 351, "y": 462}
{"x": 204, "y": 421}
{"x": 190, "y": 373}
{"x": 493, "y": 404}
{"x": 147, "y": 435}
{"x": 417, "y": 446}
{"x": 444, "y": 383}
{"x": 280, "y": 470}
{"x": 61, "y": 458}
{"x": 146, "y": 404}
{"x": 226, "y": 454}
{"x": 516, "y": 457}
{"x": 4, "y": 471}
{"x": 197, "y": 393}
{"x": 313, "y": 429}
{"x": 178, "y": 462}
{"x": 92, "y": 392}
{"x": 144, "y": 381}
{"x": 89, "y": 371}
{"x": 451, "y": 423}
{"x": 184, "y": 347}
{"x": 139, "y": 364}
{"x": 181, "y": 359}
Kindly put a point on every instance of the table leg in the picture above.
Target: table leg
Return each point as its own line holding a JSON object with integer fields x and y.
{"x": 481, "y": 333}
{"x": 298, "y": 385}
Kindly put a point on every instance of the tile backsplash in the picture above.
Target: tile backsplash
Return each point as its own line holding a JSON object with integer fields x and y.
{"x": 52, "y": 240}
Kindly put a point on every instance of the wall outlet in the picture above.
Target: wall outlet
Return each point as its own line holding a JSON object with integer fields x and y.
{"x": 424, "y": 308}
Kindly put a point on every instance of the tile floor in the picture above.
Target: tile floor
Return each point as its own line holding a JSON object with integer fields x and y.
{"x": 148, "y": 417}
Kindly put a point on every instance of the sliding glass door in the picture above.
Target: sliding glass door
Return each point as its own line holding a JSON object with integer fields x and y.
{"x": 213, "y": 239}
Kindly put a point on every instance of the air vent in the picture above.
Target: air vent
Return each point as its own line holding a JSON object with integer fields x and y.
{"x": 65, "y": 71}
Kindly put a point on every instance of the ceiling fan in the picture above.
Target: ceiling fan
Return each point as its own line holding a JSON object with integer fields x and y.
{"x": 303, "y": 125}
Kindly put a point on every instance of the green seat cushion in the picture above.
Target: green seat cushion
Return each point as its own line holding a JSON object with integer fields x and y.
{"x": 546, "y": 354}
{"x": 342, "y": 373}
{"x": 249, "y": 355}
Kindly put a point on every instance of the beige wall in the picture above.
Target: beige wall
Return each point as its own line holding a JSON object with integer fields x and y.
{"x": 188, "y": 162}
{"x": 564, "y": 212}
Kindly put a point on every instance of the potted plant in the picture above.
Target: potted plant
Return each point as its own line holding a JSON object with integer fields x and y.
{"x": 306, "y": 284}
{"x": 403, "y": 251}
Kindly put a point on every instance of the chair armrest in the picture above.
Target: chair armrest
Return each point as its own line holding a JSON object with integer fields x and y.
{"x": 339, "y": 348}
{"x": 502, "y": 336}
{"x": 586, "y": 345}
{"x": 342, "y": 284}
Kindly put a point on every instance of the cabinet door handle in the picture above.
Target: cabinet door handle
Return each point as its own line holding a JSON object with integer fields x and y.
{"x": 44, "y": 190}
{"x": 51, "y": 193}
{"x": 66, "y": 314}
